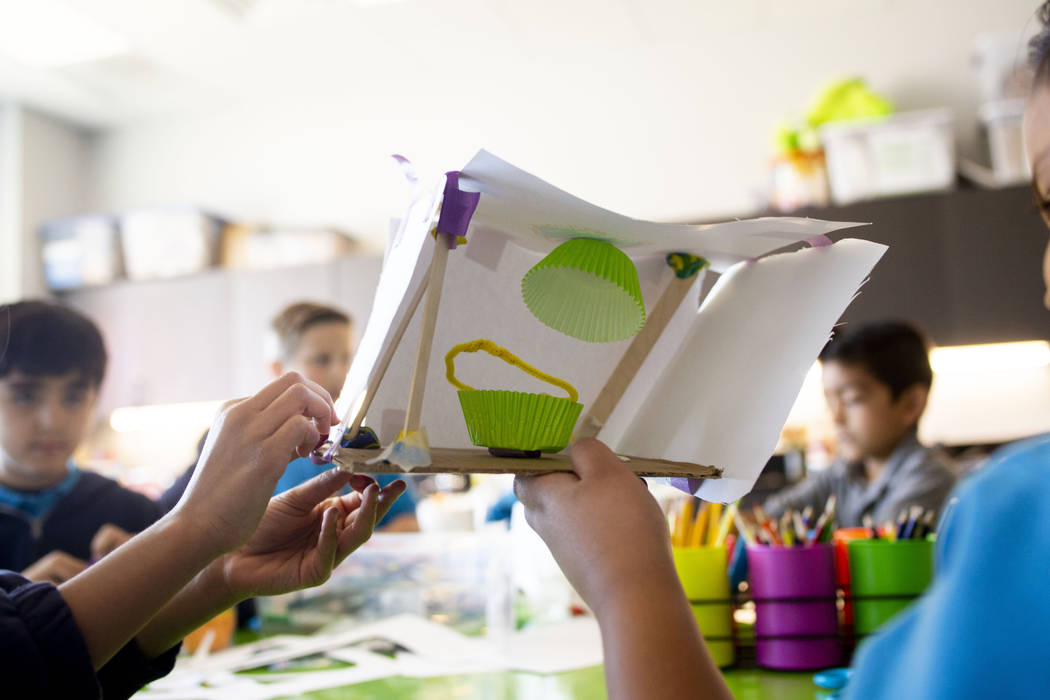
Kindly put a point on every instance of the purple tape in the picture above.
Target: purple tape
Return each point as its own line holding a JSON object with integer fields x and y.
{"x": 456, "y": 209}
{"x": 688, "y": 484}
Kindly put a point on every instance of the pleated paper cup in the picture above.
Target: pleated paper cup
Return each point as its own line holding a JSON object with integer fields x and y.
{"x": 514, "y": 420}
{"x": 587, "y": 289}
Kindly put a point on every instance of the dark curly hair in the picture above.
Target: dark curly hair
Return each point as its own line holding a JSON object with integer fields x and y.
{"x": 1039, "y": 46}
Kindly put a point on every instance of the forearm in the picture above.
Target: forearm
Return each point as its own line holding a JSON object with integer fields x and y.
{"x": 115, "y": 598}
{"x": 653, "y": 647}
{"x": 200, "y": 600}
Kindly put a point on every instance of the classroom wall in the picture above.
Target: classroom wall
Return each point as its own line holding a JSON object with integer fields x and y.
{"x": 10, "y": 204}
{"x": 56, "y": 169}
{"x": 674, "y": 121}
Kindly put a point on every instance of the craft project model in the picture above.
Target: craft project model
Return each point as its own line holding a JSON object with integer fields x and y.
{"x": 575, "y": 321}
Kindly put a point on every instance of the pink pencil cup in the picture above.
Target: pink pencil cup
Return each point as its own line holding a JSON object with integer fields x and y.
{"x": 796, "y": 621}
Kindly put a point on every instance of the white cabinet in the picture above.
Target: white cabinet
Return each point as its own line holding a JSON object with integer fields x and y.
{"x": 202, "y": 337}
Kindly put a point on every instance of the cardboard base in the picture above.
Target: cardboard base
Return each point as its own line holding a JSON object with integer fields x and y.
{"x": 479, "y": 461}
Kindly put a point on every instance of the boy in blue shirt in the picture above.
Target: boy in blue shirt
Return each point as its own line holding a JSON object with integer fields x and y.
{"x": 53, "y": 516}
{"x": 317, "y": 341}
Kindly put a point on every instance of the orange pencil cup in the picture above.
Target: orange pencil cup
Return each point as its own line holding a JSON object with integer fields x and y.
{"x": 841, "y": 538}
{"x": 705, "y": 578}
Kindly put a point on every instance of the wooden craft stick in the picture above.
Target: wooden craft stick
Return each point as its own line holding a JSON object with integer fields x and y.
{"x": 426, "y": 334}
{"x": 388, "y": 354}
{"x": 615, "y": 387}
{"x": 447, "y": 460}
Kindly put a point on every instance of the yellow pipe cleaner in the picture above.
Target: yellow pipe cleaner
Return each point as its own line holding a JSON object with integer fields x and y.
{"x": 505, "y": 355}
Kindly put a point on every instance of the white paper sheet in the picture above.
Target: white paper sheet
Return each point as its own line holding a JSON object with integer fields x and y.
{"x": 722, "y": 396}
{"x": 435, "y": 650}
{"x": 538, "y": 216}
{"x": 567, "y": 646}
{"x": 481, "y": 298}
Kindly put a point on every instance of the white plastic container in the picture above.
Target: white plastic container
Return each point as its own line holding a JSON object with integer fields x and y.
{"x": 900, "y": 154}
{"x": 168, "y": 242}
{"x": 80, "y": 251}
{"x": 1002, "y": 141}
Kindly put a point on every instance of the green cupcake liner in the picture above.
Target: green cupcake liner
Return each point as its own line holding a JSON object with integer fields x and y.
{"x": 587, "y": 289}
{"x": 514, "y": 420}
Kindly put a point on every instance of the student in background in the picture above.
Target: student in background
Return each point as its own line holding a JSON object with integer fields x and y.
{"x": 978, "y": 632}
{"x": 317, "y": 341}
{"x": 876, "y": 381}
{"x": 55, "y": 517}
{"x": 116, "y": 625}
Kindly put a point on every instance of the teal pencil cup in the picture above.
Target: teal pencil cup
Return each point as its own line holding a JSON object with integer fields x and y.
{"x": 886, "y": 576}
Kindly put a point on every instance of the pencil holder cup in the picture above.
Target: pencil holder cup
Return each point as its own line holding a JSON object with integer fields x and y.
{"x": 796, "y": 619}
{"x": 841, "y": 538}
{"x": 705, "y": 578}
{"x": 886, "y": 576}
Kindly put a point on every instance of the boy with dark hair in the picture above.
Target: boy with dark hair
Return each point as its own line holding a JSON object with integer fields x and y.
{"x": 53, "y": 516}
{"x": 876, "y": 381}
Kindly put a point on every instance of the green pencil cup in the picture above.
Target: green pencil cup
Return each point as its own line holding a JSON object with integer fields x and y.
{"x": 886, "y": 576}
{"x": 705, "y": 578}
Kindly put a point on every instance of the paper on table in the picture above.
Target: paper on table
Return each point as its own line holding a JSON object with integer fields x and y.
{"x": 745, "y": 356}
{"x": 573, "y": 644}
{"x": 435, "y": 651}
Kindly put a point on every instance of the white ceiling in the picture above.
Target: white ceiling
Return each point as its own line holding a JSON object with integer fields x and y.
{"x": 189, "y": 54}
{"x": 660, "y": 109}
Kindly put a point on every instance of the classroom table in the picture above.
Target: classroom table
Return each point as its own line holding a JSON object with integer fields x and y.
{"x": 583, "y": 684}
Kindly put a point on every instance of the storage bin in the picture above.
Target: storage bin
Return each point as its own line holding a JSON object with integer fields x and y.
{"x": 900, "y": 154}
{"x": 80, "y": 251}
{"x": 160, "y": 243}
{"x": 1001, "y": 140}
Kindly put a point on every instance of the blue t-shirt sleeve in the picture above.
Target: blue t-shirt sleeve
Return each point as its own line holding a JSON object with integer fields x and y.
{"x": 980, "y": 630}
{"x": 301, "y": 470}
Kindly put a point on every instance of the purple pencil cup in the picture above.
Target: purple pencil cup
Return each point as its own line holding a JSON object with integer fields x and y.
{"x": 796, "y": 621}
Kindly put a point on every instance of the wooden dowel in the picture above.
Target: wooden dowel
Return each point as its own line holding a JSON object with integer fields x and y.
{"x": 628, "y": 366}
{"x": 426, "y": 334}
{"x": 384, "y": 359}
{"x": 447, "y": 460}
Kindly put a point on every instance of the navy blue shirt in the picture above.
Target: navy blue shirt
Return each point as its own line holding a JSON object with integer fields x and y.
{"x": 43, "y": 655}
{"x": 71, "y": 521}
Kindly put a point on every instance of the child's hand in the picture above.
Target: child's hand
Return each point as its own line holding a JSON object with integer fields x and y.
{"x": 305, "y": 533}
{"x": 250, "y": 444}
{"x": 54, "y": 567}
{"x": 108, "y": 538}
{"x": 602, "y": 525}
